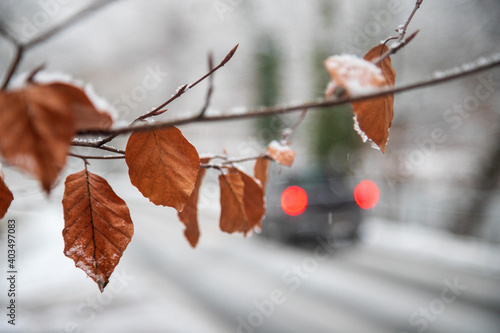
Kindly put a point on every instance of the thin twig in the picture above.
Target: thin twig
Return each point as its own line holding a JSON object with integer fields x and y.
{"x": 467, "y": 69}
{"x": 67, "y": 23}
{"x": 288, "y": 132}
{"x": 187, "y": 87}
{"x": 393, "y": 49}
{"x": 243, "y": 159}
{"x": 18, "y": 55}
{"x": 402, "y": 30}
{"x": 76, "y": 143}
{"x": 401, "y": 41}
{"x": 229, "y": 163}
{"x": 158, "y": 110}
{"x": 210, "y": 87}
{"x": 4, "y": 32}
{"x": 84, "y": 157}
{"x": 22, "y": 47}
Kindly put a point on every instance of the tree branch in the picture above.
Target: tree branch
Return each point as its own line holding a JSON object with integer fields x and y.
{"x": 18, "y": 55}
{"x": 402, "y": 29}
{"x": 79, "y": 143}
{"x": 22, "y": 47}
{"x": 158, "y": 110}
{"x": 84, "y": 157}
{"x": 187, "y": 87}
{"x": 441, "y": 77}
{"x": 229, "y": 162}
{"x": 67, "y": 23}
{"x": 395, "y": 48}
{"x": 210, "y": 87}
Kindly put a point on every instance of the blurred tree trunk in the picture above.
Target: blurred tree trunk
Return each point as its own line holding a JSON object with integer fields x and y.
{"x": 485, "y": 182}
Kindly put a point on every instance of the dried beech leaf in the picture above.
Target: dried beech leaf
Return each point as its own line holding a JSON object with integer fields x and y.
{"x": 253, "y": 200}
{"x": 242, "y": 202}
{"x": 97, "y": 226}
{"x": 189, "y": 215}
{"x": 282, "y": 154}
{"x": 260, "y": 171}
{"x": 374, "y": 116}
{"x": 6, "y": 196}
{"x": 352, "y": 76}
{"x": 87, "y": 117}
{"x": 37, "y": 124}
{"x": 163, "y": 165}
{"x": 233, "y": 216}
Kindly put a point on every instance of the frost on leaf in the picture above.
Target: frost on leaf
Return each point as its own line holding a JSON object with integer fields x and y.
{"x": 189, "y": 215}
{"x": 37, "y": 124}
{"x": 97, "y": 226}
{"x": 282, "y": 154}
{"x": 6, "y": 196}
{"x": 354, "y": 75}
{"x": 242, "y": 202}
{"x": 360, "y": 76}
{"x": 163, "y": 165}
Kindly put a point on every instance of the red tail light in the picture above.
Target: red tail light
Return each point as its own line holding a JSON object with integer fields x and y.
{"x": 366, "y": 194}
{"x": 294, "y": 200}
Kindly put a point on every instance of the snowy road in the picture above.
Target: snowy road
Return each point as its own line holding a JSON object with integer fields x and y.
{"x": 231, "y": 284}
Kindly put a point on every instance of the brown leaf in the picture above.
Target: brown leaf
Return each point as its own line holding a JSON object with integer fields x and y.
{"x": 260, "y": 172}
{"x": 253, "y": 199}
{"x": 97, "y": 226}
{"x": 163, "y": 165}
{"x": 87, "y": 117}
{"x": 352, "y": 76}
{"x": 242, "y": 202}
{"x": 189, "y": 215}
{"x": 6, "y": 196}
{"x": 233, "y": 216}
{"x": 375, "y": 116}
{"x": 37, "y": 124}
{"x": 282, "y": 154}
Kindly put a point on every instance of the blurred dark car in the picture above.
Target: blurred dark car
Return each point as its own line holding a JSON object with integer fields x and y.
{"x": 302, "y": 209}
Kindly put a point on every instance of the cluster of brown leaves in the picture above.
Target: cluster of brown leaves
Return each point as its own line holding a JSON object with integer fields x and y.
{"x": 39, "y": 122}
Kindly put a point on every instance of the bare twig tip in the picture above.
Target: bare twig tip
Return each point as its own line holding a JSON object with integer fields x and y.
{"x": 231, "y": 53}
{"x": 32, "y": 75}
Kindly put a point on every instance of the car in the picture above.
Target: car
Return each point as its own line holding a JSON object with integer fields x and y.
{"x": 305, "y": 208}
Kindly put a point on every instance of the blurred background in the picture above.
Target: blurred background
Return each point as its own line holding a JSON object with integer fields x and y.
{"x": 424, "y": 259}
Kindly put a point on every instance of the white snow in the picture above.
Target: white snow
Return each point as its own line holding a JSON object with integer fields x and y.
{"x": 287, "y": 132}
{"x": 280, "y": 147}
{"x": 100, "y": 103}
{"x": 358, "y": 129}
{"x": 433, "y": 245}
{"x": 354, "y": 74}
{"x": 238, "y": 110}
